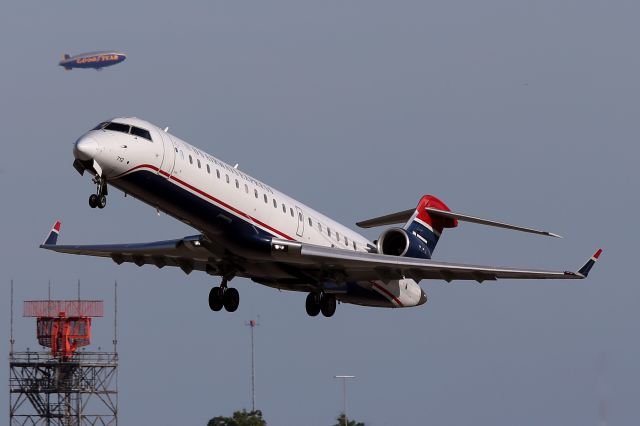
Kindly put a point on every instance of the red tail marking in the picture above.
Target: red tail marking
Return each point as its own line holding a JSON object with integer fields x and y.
{"x": 437, "y": 223}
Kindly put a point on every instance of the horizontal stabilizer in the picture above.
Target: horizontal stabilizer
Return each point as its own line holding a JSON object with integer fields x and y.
{"x": 473, "y": 219}
{"x": 405, "y": 215}
{"x": 390, "y": 219}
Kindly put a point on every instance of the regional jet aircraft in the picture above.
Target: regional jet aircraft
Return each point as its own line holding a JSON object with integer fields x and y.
{"x": 249, "y": 229}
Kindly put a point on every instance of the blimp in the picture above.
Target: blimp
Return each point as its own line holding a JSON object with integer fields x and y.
{"x": 95, "y": 60}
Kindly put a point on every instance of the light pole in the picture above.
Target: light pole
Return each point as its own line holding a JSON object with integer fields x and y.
{"x": 344, "y": 394}
{"x": 253, "y": 324}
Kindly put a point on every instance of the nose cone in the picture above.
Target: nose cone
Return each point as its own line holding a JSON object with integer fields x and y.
{"x": 423, "y": 298}
{"x": 86, "y": 148}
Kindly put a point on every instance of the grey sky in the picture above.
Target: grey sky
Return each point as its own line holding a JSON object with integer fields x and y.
{"x": 523, "y": 111}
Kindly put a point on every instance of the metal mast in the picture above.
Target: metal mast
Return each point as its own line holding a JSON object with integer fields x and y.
{"x": 253, "y": 324}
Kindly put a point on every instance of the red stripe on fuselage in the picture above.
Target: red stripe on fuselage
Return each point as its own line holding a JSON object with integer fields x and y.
{"x": 206, "y": 195}
{"x": 388, "y": 293}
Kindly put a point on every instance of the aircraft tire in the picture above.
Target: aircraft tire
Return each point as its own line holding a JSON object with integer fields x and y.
{"x": 216, "y": 299}
{"x": 312, "y": 304}
{"x": 93, "y": 201}
{"x": 328, "y": 305}
{"x": 102, "y": 201}
{"x": 231, "y": 299}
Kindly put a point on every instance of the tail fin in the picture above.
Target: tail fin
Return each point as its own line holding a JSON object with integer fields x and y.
{"x": 426, "y": 226}
{"x": 65, "y": 56}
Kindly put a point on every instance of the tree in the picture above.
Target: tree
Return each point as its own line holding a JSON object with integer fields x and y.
{"x": 340, "y": 421}
{"x": 239, "y": 418}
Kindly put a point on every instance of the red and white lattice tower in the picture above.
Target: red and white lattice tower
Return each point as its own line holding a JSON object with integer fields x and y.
{"x": 63, "y": 386}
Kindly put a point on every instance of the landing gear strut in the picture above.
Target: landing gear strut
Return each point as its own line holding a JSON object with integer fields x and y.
{"x": 99, "y": 199}
{"x": 223, "y": 296}
{"x": 320, "y": 302}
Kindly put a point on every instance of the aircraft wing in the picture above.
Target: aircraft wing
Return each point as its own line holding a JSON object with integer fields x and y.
{"x": 312, "y": 262}
{"x": 351, "y": 265}
{"x": 188, "y": 253}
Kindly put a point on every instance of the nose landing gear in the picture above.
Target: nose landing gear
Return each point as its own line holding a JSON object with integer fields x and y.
{"x": 223, "y": 296}
{"x": 320, "y": 302}
{"x": 99, "y": 199}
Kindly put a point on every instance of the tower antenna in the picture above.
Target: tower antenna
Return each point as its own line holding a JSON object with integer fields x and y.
{"x": 115, "y": 316}
{"x": 11, "y": 341}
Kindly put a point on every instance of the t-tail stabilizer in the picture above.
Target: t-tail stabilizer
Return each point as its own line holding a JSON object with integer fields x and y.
{"x": 438, "y": 211}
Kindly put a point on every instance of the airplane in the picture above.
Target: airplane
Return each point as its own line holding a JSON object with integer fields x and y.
{"x": 249, "y": 229}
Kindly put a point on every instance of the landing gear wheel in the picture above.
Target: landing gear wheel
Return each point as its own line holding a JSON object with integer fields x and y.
{"x": 328, "y": 305}
{"x": 102, "y": 201}
{"x": 93, "y": 201}
{"x": 231, "y": 299}
{"x": 312, "y": 304}
{"x": 216, "y": 296}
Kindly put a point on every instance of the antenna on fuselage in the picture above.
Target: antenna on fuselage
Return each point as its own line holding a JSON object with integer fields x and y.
{"x": 236, "y": 166}
{"x": 166, "y": 129}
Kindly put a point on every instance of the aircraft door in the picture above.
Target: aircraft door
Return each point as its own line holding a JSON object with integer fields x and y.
{"x": 300, "y": 230}
{"x": 169, "y": 157}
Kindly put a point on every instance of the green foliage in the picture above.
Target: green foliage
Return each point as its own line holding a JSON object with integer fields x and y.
{"x": 239, "y": 418}
{"x": 340, "y": 421}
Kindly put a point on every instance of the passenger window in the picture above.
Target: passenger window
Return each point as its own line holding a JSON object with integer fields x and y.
{"x": 329, "y": 231}
{"x": 208, "y": 169}
{"x": 176, "y": 149}
{"x": 319, "y": 227}
{"x": 300, "y": 216}
{"x": 275, "y": 203}
{"x": 284, "y": 208}
{"x": 337, "y": 236}
{"x": 218, "y": 173}
{"x": 354, "y": 246}
{"x": 255, "y": 192}
{"x": 227, "y": 177}
{"x": 346, "y": 242}
{"x": 291, "y": 210}
{"x": 117, "y": 127}
{"x": 137, "y": 131}
{"x": 237, "y": 184}
{"x": 246, "y": 188}
{"x": 310, "y": 222}
{"x": 265, "y": 198}
{"x": 198, "y": 160}
{"x": 190, "y": 160}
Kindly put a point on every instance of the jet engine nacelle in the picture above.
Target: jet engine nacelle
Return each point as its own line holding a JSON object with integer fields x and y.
{"x": 399, "y": 242}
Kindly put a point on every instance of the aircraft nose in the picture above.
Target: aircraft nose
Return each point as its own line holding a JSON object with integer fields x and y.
{"x": 423, "y": 298}
{"x": 85, "y": 149}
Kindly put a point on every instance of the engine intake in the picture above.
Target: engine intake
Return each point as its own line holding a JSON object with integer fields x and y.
{"x": 398, "y": 242}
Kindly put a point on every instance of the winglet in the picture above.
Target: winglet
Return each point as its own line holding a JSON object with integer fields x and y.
{"x": 52, "y": 238}
{"x": 584, "y": 271}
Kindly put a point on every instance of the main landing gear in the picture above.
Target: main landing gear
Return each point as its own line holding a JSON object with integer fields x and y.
{"x": 99, "y": 199}
{"x": 320, "y": 302}
{"x": 223, "y": 296}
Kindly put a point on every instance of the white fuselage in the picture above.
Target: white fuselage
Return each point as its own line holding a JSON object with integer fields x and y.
{"x": 117, "y": 155}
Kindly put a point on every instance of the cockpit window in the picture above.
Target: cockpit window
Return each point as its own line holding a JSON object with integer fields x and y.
{"x": 117, "y": 127}
{"x": 101, "y": 125}
{"x": 137, "y": 131}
